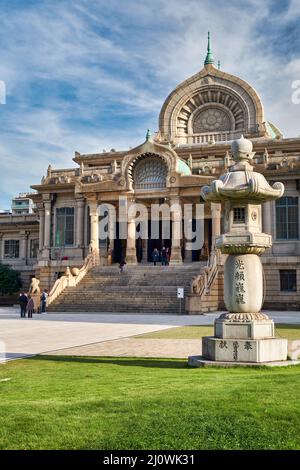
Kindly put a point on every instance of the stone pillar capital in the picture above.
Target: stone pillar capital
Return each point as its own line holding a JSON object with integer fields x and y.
{"x": 93, "y": 206}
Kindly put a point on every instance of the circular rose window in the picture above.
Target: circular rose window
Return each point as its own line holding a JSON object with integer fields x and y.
{"x": 211, "y": 120}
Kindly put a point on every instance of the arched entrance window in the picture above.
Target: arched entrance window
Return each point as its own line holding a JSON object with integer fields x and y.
{"x": 150, "y": 172}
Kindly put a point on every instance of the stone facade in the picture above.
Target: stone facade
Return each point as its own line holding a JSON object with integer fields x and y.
{"x": 197, "y": 124}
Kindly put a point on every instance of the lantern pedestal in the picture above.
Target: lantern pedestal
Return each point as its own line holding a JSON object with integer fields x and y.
{"x": 243, "y": 335}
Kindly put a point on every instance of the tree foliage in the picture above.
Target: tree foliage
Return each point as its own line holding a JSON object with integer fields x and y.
{"x": 10, "y": 281}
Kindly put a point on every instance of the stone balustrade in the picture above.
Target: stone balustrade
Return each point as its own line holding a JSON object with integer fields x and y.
{"x": 70, "y": 280}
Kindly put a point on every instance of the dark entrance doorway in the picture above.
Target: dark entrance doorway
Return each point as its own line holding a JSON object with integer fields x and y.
{"x": 158, "y": 242}
{"x": 119, "y": 251}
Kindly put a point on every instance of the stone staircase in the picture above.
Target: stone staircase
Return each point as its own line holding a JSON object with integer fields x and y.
{"x": 212, "y": 298}
{"x": 139, "y": 289}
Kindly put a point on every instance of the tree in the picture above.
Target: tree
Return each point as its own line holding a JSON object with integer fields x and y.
{"x": 10, "y": 281}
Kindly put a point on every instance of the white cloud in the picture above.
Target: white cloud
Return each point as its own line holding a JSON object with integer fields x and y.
{"x": 119, "y": 60}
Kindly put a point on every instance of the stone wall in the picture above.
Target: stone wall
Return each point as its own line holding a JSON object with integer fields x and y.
{"x": 274, "y": 297}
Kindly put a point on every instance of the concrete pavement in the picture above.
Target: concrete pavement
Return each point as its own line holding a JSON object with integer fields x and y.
{"x": 21, "y": 337}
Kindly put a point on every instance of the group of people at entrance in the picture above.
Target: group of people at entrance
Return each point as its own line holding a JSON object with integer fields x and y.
{"x": 163, "y": 255}
{"x": 27, "y": 304}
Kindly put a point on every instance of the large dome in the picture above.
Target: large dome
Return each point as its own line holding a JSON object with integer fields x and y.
{"x": 212, "y": 106}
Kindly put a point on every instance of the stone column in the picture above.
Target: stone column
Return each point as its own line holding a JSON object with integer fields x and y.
{"x": 47, "y": 224}
{"x": 216, "y": 221}
{"x": 267, "y": 218}
{"x": 23, "y": 246}
{"x": 41, "y": 229}
{"x": 112, "y": 233}
{"x": 94, "y": 242}
{"x": 131, "y": 249}
{"x": 79, "y": 222}
{"x": 176, "y": 257}
{"x": 47, "y": 230}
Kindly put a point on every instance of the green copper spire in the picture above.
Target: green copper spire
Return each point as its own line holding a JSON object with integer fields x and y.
{"x": 209, "y": 56}
{"x": 148, "y": 135}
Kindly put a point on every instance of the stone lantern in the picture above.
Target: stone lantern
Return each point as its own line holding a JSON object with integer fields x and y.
{"x": 244, "y": 333}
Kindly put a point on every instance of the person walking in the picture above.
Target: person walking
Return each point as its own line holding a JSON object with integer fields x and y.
{"x": 164, "y": 256}
{"x": 23, "y": 300}
{"x": 168, "y": 255}
{"x": 44, "y": 297}
{"x": 155, "y": 256}
{"x": 121, "y": 265}
{"x": 30, "y": 306}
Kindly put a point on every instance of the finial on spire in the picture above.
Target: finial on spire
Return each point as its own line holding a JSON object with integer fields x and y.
{"x": 219, "y": 64}
{"x": 148, "y": 135}
{"x": 209, "y": 56}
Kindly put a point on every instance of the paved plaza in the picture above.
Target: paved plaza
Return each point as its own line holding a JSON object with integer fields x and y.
{"x": 101, "y": 334}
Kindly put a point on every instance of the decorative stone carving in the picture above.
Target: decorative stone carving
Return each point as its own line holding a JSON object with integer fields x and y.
{"x": 122, "y": 181}
{"x": 75, "y": 271}
{"x": 215, "y": 111}
{"x": 207, "y": 169}
{"x": 94, "y": 178}
{"x": 227, "y": 160}
{"x": 34, "y": 287}
{"x": 68, "y": 272}
{"x": 242, "y": 317}
{"x": 114, "y": 167}
{"x": 211, "y": 120}
{"x": 266, "y": 157}
{"x": 60, "y": 180}
{"x": 197, "y": 284}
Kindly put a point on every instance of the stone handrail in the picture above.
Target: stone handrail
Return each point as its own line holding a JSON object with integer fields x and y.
{"x": 70, "y": 280}
{"x": 201, "y": 284}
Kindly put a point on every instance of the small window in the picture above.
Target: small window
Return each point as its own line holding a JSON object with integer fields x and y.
{"x": 34, "y": 248}
{"x": 288, "y": 280}
{"x": 287, "y": 218}
{"x": 64, "y": 226}
{"x": 239, "y": 215}
{"x": 11, "y": 249}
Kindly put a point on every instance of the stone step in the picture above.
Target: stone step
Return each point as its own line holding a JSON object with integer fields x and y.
{"x": 140, "y": 289}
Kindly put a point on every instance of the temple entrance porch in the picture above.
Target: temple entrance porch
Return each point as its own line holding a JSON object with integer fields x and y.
{"x": 117, "y": 248}
{"x": 135, "y": 236}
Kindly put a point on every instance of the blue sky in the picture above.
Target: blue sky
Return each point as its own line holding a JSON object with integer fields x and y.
{"x": 88, "y": 75}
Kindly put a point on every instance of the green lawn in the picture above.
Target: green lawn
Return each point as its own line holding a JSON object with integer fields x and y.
{"x": 55, "y": 402}
{"x": 291, "y": 332}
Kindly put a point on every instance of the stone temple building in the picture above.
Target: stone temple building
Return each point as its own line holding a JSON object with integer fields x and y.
{"x": 197, "y": 123}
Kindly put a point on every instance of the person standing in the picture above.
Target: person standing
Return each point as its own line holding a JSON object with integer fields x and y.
{"x": 168, "y": 255}
{"x": 23, "y": 300}
{"x": 164, "y": 256}
{"x": 44, "y": 297}
{"x": 121, "y": 265}
{"x": 155, "y": 256}
{"x": 30, "y": 307}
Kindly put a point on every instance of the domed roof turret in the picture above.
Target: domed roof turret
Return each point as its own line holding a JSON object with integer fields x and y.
{"x": 212, "y": 105}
